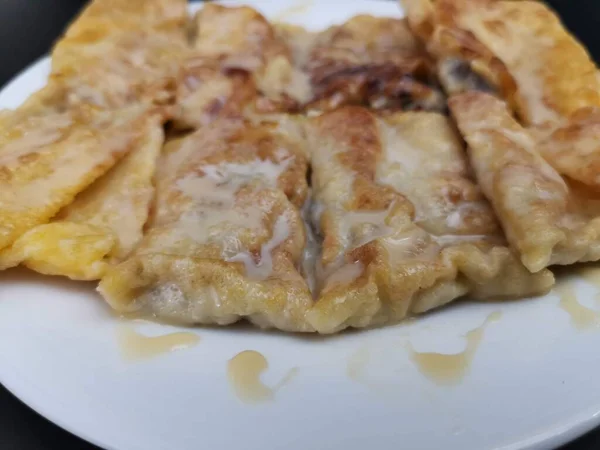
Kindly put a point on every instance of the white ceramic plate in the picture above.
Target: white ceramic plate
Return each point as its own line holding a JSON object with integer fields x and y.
{"x": 527, "y": 380}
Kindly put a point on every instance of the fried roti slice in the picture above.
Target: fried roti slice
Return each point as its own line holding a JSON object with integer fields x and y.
{"x": 370, "y": 61}
{"x": 521, "y": 52}
{"x": 242, "y": 39}
{"x": 45, "y": 161}
{"x": 573, "y": 148}
{"x": 102, "y": 225}
{"x": 92, "y": 112}
{"x": 404, "y": 229}
{"x": 121, "y": 51}
{"x": 520, "y": 48}
{"x": 227, "y": 236}
{"x": 546, "y": 219}
{"x": 241, "y": 65}
{"x": 207, "y": 94}
{"x": 239, "y": 37}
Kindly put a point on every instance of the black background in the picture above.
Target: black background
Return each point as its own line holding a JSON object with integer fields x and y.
{"x": 27, "y": 30}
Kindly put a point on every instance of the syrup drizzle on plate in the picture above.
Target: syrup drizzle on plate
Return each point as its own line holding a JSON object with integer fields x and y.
{"x": 357, "y": 364}
{"x": 449, "y": 370}
{"x": 135, "y": 346}
{"x": 244, "y": 371}
{"x": 592, "y": 276}
{"x": 581, "y": 316}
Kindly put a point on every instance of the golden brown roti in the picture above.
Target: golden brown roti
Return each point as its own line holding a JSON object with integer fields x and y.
{"x": 372, "y": 61}
{"x": 112, "y": 73}
{"x": 227, "y": 236}
{"x": 102, "y": 225}
{"x": 548, "y": 220}
{"x": 121, "y": 51}
{"x": 403, "y": 227}
{"x": 368, "y": 60}
{"x": 521, "y": 48}
{"x": 46, "y": 161}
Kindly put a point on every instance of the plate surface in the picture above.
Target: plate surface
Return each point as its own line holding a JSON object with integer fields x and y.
{"x": 526, "y": 380}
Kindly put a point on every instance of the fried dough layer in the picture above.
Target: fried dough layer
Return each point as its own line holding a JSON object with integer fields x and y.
{"x": 46, "y": 161}
{"x": 102, "y": 225}
{"x": 521, "y": 48}
{"x": 370, "y": 61}
{"x": 227, "y": 236}
{"x": 121, "y": 51}
{"x": 546, "y": 218}
{"x": 522, "y": 52}
{"x": 403, "y": 227}
{"x": 112, "y": 74}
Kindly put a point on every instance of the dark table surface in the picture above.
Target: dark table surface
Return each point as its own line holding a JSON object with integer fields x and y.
{"x": 27, "y": 30}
